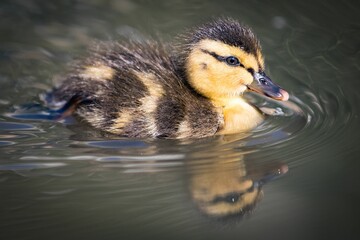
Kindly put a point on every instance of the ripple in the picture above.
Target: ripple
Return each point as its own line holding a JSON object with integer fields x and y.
{"x": 293, "y": 119}
{"x": 15, "y": 126}
{"x": 160, "y": 157}
{"x": 6, "y": 143}
{"x": 30, "y": 166}
{"x": 59, "y": 192}
{"x": 71, "y": 158}
{"x": 10, "y": 136}
{"x": 130, "y": 164}
{"x": 309, "y": 124}
{"x": 116, "y": 144}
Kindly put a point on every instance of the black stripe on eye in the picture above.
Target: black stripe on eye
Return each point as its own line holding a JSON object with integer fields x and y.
{"x": 218, "y": 57}
{"x": 228, "y": 198}
{"x": 232, "y": 197}
{"x": 231, "y": 60}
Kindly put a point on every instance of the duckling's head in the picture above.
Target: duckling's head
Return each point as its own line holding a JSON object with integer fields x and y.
{"x": 224, "y": 59}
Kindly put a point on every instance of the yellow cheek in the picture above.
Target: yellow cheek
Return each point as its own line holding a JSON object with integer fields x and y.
{"x": 230, "y": 80}
{"x": 215, "y": 79}
{"x": 233, "y": 76}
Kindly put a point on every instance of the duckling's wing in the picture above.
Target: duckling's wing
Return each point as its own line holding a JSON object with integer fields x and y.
{"x": 136, "y": 91}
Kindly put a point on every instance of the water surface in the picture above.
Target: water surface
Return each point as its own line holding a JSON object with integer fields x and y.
{"x": 64, "y": 180}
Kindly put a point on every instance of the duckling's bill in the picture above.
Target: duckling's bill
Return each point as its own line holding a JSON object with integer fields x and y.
{"x": 264, "y": 85}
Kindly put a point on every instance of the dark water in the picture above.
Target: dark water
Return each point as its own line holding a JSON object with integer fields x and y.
{"x": 65, "y": 181}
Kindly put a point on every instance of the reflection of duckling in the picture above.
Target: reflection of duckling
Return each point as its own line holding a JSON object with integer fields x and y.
{"x": 225, "y": 189}
{"x": 139, "y": 90}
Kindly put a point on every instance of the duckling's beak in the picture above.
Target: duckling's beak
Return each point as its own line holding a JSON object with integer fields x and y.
{"x": 271, "y": 176}
{"x": 262, "y": 84}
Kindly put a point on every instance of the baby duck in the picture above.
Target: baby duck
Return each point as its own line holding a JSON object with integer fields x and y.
{"x": 140, "y": 89}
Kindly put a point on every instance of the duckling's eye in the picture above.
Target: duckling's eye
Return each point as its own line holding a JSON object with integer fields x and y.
{"x": 232, "y": 199}
{"x": 233, "y": 61}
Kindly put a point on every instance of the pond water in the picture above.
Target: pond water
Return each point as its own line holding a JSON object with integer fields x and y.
{"x": 64, "y": 180}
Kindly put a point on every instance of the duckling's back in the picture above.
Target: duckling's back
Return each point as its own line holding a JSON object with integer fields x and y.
{"x": 137, "y": 90}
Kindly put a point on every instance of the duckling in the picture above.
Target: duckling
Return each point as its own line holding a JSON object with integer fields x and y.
{"x": 150, "y": 90}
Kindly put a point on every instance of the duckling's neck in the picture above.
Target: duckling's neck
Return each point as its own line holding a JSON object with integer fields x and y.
{"x": 239, "y": 115}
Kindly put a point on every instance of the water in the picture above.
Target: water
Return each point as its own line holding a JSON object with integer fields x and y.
{"x": 64, "y": 180}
